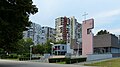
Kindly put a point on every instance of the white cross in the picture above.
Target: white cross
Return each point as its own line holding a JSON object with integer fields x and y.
{"x": 84, "y": 15}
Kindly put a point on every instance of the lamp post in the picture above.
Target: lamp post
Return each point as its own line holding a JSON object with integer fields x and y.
{"x": 78, "y": 48}
{"x": 52, "y": 48}
{"x": 31, "y": 51}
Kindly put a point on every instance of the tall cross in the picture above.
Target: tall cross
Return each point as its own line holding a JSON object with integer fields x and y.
{"x": 84, "y": 15}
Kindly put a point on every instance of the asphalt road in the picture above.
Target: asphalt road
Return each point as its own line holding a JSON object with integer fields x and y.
{"x": 9, "y": 63}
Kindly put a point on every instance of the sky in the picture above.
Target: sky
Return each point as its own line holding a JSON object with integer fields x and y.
{"x": 106, "y": 13}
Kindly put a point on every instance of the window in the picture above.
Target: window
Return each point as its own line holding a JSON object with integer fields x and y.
{"x": 51, "y": 32}
{"x": 62, "y": 47}
{"x": 58, "y": 48}
{"x": 43, "y": 31}
{"x": 42, "y": 37}
{"x": 60, "y": 29}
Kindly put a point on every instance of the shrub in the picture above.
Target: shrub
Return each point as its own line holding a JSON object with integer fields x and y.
{"x": 54, "y": 60}
{"x": 74, "y": 60}
{"x": 26, "y": 55}
{"x": 10, "y": 56}
{"x": 24, "y": 58}
{"x": 13, "y": 56}
{"x": 66, "y": 60}
{"x": 28, "y": 58}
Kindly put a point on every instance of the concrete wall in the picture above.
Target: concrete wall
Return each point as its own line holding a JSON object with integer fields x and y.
{"x": 106, "y": 40}
{"x": 116, "y": 54}
{"x": 98, "y": 57}
{"x": 69, "y": 50}
{"x": 102, "y": 40}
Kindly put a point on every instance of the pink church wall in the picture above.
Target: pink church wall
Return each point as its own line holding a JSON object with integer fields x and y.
{"x": 87, "y": 37}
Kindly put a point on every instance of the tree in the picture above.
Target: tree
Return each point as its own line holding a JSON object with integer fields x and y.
{"x": 61, "y": 42}
{"x": 48, "y": 46}
{"x": 14, "y": 19}
{"x": 102, "y": 32}
{"x": 24, "y": 46}
{"x": 1, "y": 51}
{"x": 38, "y": 49}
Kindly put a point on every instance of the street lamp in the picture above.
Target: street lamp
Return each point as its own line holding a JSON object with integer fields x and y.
{"x": 31, "y": 51}
{"x": 78, "y": 48}
{"x": 52, "y": 48}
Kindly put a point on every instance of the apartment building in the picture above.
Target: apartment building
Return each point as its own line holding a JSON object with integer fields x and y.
{"x": 61, "y": 28}
{"x": 69, "y": 30}
{"x": 47, "y": 33}
{"x": 75, "y": 36}
{"x": 33, "y": 32}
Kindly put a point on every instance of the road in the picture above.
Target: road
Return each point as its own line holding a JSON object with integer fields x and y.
{"x": 9, "y": 63}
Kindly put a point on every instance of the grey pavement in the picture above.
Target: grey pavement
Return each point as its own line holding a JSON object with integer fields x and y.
{"x": 10, "y": 63}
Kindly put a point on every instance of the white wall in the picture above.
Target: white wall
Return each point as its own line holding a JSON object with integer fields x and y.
{"x": 69, "y": 50}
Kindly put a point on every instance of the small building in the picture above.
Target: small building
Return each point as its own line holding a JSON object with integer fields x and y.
{"x": 106, "y": 43}
{"x": 59, "y": 49}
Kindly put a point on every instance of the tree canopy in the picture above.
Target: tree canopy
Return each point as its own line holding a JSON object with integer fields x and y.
{"x": 24, "y": 46}
{"x": 14, "y": 19}
{"x": 102, "y": 32}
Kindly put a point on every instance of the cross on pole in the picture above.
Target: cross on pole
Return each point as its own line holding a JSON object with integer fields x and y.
{"x": 84, "y": 15}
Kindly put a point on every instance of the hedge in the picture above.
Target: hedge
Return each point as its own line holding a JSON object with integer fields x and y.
{"x": 74, "y": 60}
{"x": 55, "y": 60}
{"x": 67, "y": 60}
{"x": 28, "y": 58}
{"x": 10, "y": 56}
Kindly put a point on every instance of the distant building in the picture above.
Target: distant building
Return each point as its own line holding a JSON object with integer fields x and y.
{"x": 75, "y": 35}
{"x": 39, "y": 34}
{"x": 47, "y": 33}
{"x": 59, "y": 49}
{"x": 106, "y": 43}
{"x": 33, "y": 32}
{"x": 61, "y": 28}
{"x": 70, "y": 31}
{"x": 118, "y": 38}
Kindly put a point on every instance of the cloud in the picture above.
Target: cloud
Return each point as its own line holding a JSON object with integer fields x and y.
{"x": 106, "y": 17}
{"x": 107, "y": 14}
{"x": 115, "y": 31}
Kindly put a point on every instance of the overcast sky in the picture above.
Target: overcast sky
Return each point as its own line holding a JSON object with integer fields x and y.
{"x": 106, "y": 13}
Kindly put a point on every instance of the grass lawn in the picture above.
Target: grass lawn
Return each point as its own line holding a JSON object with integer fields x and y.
{"x": 108, "y": 63}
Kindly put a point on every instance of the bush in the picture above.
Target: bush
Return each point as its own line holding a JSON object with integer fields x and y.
{"x": 26, "y": 55}
{"x": 54, "y": 60}
{"x": 28, "y": 58}
{"x": 67, "y": 60}
{"x": 3, "y": 56}
{"x": 74, "y": 60}
{"x": 10, "y": 56}
{"x": 13, "y": 56}
{"x": 24, "y": 58}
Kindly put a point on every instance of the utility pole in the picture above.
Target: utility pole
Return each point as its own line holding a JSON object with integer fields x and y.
{"x": 51, "y": 48}
{"x": 31, "y": 51}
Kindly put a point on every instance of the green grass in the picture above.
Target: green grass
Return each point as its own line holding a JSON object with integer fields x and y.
{"x": 61, "y": 63}
{"x": 108, "y": 63}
